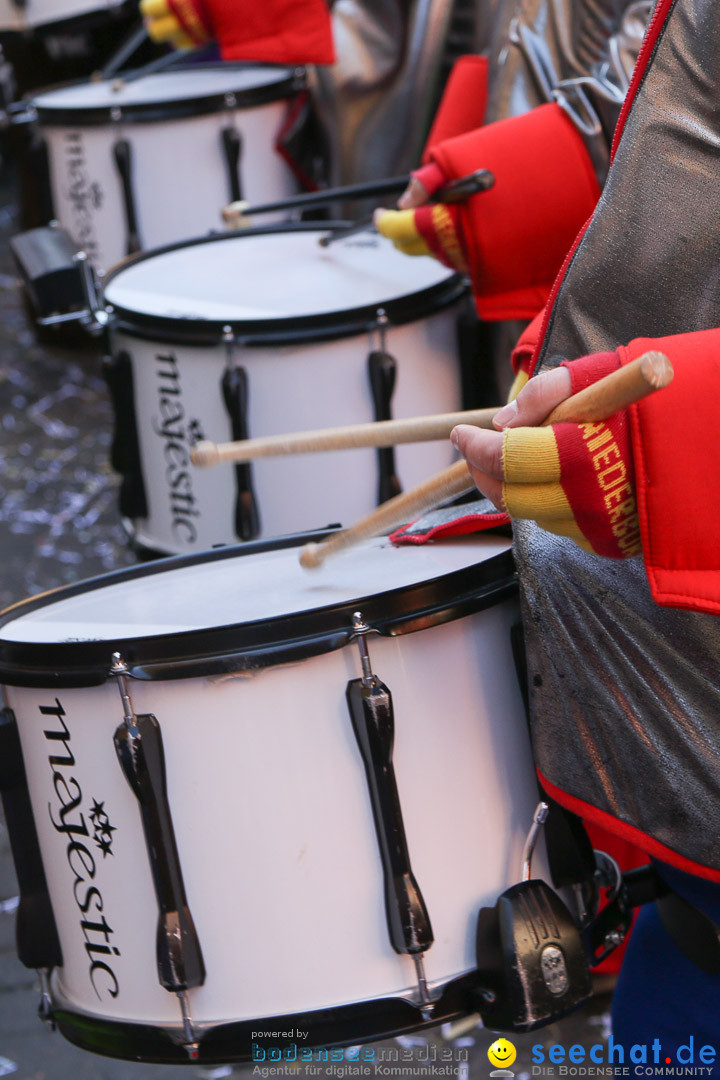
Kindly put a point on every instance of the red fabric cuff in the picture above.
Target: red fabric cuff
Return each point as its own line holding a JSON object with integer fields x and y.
{"x": 512, "y": 303}
{"x": 589, "y": 369}
{"x": 677, "y": 472}
{"x": 519, "y": 231}
{"x": 276, "y": 31}
{"x": 463, "y": 103}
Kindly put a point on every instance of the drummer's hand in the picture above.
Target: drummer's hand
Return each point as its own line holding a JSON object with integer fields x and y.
{"x": 426, "y": 229}
{"x": 182, "y": 23}
{"x": 424, "y": 182}
{"x": 576, "y": 480}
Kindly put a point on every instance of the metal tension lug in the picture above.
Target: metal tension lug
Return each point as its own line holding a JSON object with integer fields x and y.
{"x": 370, "y": 705}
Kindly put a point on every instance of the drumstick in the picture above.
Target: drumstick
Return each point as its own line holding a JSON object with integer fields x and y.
{"x": 380, "y": 433}
{"x": 603, "y": 399}
{"x": 457, "y": 191}
{"x": 235, "y": 213}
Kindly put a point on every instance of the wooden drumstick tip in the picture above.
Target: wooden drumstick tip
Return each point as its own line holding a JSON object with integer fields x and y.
{"x": 312, "y": 556}
{"x": 657, "y": 369}
{"x": 234, "y": 213}
{"x": 204, "y": 453}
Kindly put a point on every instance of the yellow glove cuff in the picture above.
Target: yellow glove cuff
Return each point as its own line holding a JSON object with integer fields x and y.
{"x": 536, "y": 501}
{"x": 398, "y": 225}
{"x": 163, "y": 29}
{"x": 530, "y": 456}
{"x": 154, "y": 9}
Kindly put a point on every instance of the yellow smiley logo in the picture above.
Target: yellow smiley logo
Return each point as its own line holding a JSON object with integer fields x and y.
{"x": 502, "y": 1053}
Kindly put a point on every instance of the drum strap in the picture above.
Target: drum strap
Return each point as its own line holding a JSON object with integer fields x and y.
{"x": 694, "y": 932}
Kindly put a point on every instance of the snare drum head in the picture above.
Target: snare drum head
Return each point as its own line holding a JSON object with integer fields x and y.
{"x": 241, "y": 588}
{"x": 264, "y": 279}
{"x": 164, "y": 90}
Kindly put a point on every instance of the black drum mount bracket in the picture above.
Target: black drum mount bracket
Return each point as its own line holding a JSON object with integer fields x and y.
{"x": 532, "y": 966}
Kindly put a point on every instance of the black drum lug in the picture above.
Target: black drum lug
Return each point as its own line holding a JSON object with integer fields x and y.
{"x": 38, "y": 944}
{"x": 235, "y": 395}
{"x": 125, "y": 453}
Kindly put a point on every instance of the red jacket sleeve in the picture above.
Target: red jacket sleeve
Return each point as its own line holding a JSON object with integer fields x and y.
{"x": 518, "y": 233}
{"x": 274, "y": 31}
{"x": 676, "y": 446}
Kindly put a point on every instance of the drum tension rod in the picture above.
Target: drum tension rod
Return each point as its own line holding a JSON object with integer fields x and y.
{"x": 361, "y": 630}
{"x": 138, "y": 744}
{"x": 371, "y": 712}
{"x": 45, "y": 1008}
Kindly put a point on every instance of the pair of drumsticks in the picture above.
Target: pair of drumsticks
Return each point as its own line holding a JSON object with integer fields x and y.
{"x": 603, "y": 399}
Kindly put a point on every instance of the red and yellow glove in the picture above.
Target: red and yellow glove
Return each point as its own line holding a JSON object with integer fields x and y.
{"x": 274, "y": 32}
{"x": 182, "y": 23}
{"x": 515, "y": 236}
{"x": 428, "y": 230}
{"x": 576, "y": 480}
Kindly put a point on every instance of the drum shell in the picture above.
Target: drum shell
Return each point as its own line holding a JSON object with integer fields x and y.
{"x": 179, "y": 176}
{"x": 294, "y": 387}
{"x": 274, "y": 826}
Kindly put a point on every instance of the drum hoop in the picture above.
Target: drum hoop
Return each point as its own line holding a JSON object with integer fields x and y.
{"x": 294, "y": 329}
{"x": 252, "y": 645}
{"x": 336, "y": 1026}
{"x": 285, "y": 86}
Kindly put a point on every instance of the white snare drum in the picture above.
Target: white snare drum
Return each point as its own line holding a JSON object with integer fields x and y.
{"x": 262, "y": 829}
{"x": 29, "y": 14}
{"x": 147, "y": 162}
{"x": 266, "y": 332}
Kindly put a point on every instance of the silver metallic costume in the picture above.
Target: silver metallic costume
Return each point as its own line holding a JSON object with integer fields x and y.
{"x": 625, "y": 695}
{"x": 579, "y": 53}
{"x": 377, "y": 102}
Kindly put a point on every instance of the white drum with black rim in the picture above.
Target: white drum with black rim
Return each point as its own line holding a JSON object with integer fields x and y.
{"x": 217, "y": 752}
{"x": 30, "y": 14}
{"x": 267, "y": 332}
{"x": 152, "y": 160}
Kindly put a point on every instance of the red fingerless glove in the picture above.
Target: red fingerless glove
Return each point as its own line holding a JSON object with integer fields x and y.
{"x": 194, "y": 18}
{"x": 596, "y": 468}
{"x": 440, "y": 227}
{"x": 431, "y": 176}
